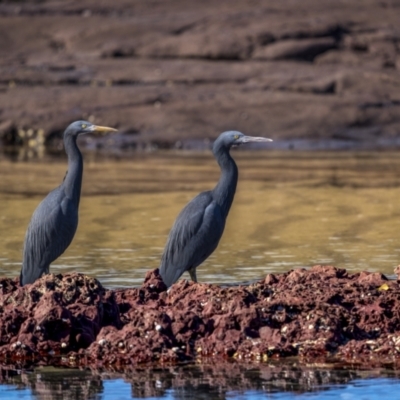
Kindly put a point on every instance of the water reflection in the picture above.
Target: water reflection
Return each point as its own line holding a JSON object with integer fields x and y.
{"x": 50, "y": 383}
{"x": 228, "y": 380}
{"x": 291, "y": 210}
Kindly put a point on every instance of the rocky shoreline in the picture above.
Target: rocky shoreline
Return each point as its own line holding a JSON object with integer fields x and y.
{"x": 321, "y": 314}
{"x": 175, "y": 74}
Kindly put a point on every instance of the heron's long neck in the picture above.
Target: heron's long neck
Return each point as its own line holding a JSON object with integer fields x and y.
{"x": 73, "y": 179}
{"x": 225, "y": 190}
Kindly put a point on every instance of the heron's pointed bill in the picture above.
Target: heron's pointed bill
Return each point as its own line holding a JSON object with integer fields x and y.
{"x": 102, "y": 129}
{"x": 247, "y": 139}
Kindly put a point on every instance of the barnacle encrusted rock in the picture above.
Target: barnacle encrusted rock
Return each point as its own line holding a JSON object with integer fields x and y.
{"x": 320, "y": 313}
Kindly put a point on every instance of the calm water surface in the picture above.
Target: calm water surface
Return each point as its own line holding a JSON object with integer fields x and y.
{"x": 291, "y": 210}
{"x": 231, "y": 381}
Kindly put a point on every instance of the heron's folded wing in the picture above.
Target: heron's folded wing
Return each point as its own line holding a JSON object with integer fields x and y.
{"x": 194, "y": 236}
{"x": 50, "y": 232}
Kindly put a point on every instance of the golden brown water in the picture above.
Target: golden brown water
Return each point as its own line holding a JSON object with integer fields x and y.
{"x": 290, "y": 210}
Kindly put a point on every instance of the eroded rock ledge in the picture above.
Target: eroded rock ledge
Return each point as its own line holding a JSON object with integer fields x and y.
{"x": 320, "y": 313}
{"x": 174, "y": 74}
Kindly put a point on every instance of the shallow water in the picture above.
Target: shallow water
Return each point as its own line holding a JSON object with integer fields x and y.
{"x": 291, "y": 210}
{"x": 229, "y": 381}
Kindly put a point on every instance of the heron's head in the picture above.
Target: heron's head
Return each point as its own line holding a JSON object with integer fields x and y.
{"x": 82, "y": 127}
{"x": 235, "y": 138}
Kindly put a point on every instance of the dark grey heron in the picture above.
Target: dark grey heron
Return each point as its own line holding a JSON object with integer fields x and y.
{"x": 199, "y": 226}
{"x": 54, "y": 222}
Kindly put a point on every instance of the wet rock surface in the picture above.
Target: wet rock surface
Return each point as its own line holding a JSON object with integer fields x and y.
{"x": 173, "y": 74}
{"x": 322, "y": 314}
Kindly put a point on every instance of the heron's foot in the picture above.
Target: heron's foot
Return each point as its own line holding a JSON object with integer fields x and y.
{"x": 192, "y": 273}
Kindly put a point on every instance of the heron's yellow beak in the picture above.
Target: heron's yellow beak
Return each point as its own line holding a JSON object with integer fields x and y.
{"x": 102, "y": 129}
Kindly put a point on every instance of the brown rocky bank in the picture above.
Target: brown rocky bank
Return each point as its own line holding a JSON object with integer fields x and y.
{"x": 318, "y": 314}
{"x": 178, "y": 72}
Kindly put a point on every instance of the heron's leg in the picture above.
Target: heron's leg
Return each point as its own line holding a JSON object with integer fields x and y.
{"x": 192, "y": 273}
{"x": 45, "y": 271}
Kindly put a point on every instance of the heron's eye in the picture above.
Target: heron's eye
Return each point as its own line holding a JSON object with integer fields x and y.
{"x": 236, "y": 137}
{"x": 84, "y": 126}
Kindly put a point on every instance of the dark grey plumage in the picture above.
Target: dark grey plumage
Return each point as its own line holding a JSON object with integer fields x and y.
{"x": 199, "y": 226}
{"x": 54, "y": 222}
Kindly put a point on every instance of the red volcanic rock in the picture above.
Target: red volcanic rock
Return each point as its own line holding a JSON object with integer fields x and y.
{"x": 318, "y": 313}
{"x": 56, "y": 313}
